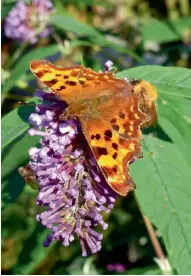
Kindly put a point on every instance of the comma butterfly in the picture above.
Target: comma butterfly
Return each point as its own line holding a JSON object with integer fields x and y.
{"x": 111, "y": 112}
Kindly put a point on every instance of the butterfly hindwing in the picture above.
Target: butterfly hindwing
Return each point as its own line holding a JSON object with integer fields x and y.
{"x": 113, "y": 154}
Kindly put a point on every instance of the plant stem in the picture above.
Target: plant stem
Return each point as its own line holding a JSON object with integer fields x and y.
{"x": 153, "y": 238}
{"x": 163, "y": 262}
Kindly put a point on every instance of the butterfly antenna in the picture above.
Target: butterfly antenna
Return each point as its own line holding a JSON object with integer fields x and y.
{"x": 79, "y": 74}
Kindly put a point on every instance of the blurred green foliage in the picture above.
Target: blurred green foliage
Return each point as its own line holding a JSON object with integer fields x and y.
{"x": 143, "y": 34}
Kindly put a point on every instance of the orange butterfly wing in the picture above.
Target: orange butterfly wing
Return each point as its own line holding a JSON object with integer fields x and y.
{"x": 72, "y": 83}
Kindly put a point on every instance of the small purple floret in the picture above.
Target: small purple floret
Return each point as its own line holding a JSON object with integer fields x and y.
{"x": 108, "y": 66}
{"x": 71, "y": 185}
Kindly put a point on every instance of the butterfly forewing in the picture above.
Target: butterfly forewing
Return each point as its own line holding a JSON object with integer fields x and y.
{"x": 73, "y": 83}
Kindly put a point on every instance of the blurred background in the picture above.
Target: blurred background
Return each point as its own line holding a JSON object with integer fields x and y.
{"x": 128, "y": 32}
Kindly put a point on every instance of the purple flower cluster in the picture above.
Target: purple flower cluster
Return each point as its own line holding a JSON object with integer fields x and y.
{"x": 28, "y": 22}
{"x": 71, "y": 185}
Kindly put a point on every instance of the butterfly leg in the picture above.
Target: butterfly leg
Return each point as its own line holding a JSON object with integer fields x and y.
{"x": 68, "y": 114}
{"x": 65, "y": 115}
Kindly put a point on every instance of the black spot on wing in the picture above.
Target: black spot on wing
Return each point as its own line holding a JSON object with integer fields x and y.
{"x": 81, "y": 82}
{"x": 53, "y": 81}
{"x": 116, "y": 127}
{"x": 122, "y": 115}
{"x": 61, "y": 88}
{"x": 106, "y": 138}
{"x": 98, "y": 136}
{"x": 113, "y": 120}
{"x": 40, "y": 74}
{"x": 114, "y": 155}
{"x": 115, "y": 146}
{"x": 72, "y": 83}
{"x": 101, "y": 151}
{"x": 114, "y": 169}
{"x": 108, "y": 133}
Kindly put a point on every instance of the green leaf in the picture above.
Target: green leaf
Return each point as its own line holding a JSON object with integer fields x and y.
{"x": 15, "y": 145}
{"x": 23, "y": 64}
{"x": 89, "y": 267}
{"x": 33, "y": 252}
{"x": 15, "y": 123}
{"x": 153, "y": 270}
{"x": 68, "y": 23}
{"x": 75, "y": 268}
{"x": 14, "y": 156}
{"x": 175, "y": 119}
{"x": 5, "y": 8}
{"x": 163, "y": 190}
{"x": 166, "y": 30}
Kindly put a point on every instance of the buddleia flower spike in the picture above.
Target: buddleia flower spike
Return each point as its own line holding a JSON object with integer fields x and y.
{"x": 71, "y": 186}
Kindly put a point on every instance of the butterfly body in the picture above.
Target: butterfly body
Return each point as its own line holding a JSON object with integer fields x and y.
{"x": 111, "y": 112}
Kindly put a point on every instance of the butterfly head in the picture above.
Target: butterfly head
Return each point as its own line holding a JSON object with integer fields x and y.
{"x": 147, "y": 95}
